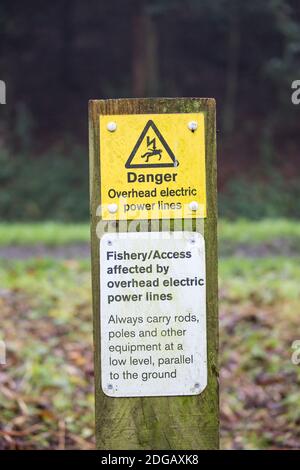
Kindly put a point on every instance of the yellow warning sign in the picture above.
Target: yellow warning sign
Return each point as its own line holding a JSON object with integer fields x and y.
{"x": 152, "y": 166}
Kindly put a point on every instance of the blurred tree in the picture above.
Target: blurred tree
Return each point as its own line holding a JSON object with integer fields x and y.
{"x": 246, "y": 54}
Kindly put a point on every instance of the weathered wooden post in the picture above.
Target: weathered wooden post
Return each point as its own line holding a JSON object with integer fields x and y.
{"x": 153, "y": 161}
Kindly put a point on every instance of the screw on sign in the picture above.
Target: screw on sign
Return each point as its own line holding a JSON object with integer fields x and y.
{"x": 112, "y": 126}
{"x": 154, "y": 292}
{"x": 192, "y": 125}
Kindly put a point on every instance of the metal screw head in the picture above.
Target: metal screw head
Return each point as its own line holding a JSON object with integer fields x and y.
{"x": 111, "y": 126}
{"x": 112, "y": 208}
{"x": 193, "y": 125}
{"x": 193, "y": 206}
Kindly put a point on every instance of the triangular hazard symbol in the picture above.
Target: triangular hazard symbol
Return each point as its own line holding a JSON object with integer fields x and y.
{"x": 151, "y": 150}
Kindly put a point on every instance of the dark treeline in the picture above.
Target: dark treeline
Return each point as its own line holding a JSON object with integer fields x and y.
{"x": 55, "y": 56}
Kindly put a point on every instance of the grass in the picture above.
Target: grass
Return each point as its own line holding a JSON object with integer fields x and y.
{"x": 47, "y": 395}
{"x": 268, "y": 280}
{"x": 263, "y": 231}
{"x": 48, "y": 233}
{"x": 238, "y": 232}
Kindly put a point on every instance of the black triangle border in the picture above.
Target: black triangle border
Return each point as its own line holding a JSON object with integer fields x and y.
{"x": 149, "y": 124}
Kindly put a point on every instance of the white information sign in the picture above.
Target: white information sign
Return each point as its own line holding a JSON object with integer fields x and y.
{"x": 153, "y": 314}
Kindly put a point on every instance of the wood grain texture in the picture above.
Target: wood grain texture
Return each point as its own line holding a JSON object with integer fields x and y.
{"x": 188, "y": 422}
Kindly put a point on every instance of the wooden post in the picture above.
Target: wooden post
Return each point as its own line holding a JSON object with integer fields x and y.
{"x": 158, "y": 422}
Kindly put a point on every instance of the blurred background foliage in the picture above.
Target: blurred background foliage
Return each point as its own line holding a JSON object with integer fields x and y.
{"x": 56, "y": 57}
